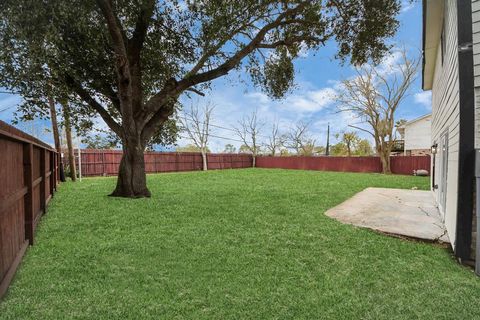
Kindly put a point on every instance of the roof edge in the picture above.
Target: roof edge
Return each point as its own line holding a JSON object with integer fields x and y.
{"x": 432, "y": 16}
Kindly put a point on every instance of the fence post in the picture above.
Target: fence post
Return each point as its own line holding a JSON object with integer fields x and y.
{"x": 58, "y": 156}
{"x": 43, "y": 176}
{"x": 52, "y": 172}
{"x": 28, "y": 177}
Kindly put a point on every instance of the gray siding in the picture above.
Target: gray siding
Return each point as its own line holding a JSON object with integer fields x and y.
{"x": 476, "y": 69}
{"x": 445, "y": 115}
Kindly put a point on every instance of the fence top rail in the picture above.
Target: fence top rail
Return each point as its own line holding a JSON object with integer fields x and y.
{"x": 340, "y": 157}
{"x": 15, "y": 134}
{"x": 117, "y": 151}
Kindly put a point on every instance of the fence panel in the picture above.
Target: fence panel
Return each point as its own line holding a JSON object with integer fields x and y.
{"x": 406, "y": 165}
{"x": 399, "y": 164}
{"x": 28, "y": 178}
{"x": 106, "y": 162}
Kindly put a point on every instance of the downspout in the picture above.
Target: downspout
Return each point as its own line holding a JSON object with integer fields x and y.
{"x": 477, "y": 210}
{"x": 466, "y": 148}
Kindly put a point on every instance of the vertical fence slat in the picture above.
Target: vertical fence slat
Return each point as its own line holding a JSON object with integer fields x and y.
{"x": 43, "y": 176}
{"x": 52, "y": 173}
{"x": 29, "y": 205}
{"x": 57, "y": 169}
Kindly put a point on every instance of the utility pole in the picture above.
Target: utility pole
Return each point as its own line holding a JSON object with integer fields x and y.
{"x": 327, "y": 149}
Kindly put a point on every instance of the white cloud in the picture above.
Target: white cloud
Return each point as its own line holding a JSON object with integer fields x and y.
{"x": 310, "y": 101}
{"x": 391, "y": 63}
{"x": 424, "y": 98}
{"x": 259, "y": 97}
{"x": 407, "y": 5}
{"x": 323, "y": 97}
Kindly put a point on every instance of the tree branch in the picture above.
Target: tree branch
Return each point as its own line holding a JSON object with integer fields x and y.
{"x": 85, "y": 96}
{"x": 361, "y": 129}
{"x": 231, "y": 63}
{"x": 135, "y": 44}
{"x": 200, "y": 93}
{"x": 156, "y": 102}
{"x": 114, "y": 28}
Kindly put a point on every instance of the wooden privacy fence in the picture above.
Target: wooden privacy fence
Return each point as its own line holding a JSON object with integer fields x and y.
{"x": 399, "y": 164}
{"x": 28, "y": 179}
{"x": 105, "y": 162}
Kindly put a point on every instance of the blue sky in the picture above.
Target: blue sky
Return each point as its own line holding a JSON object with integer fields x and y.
{"x": 311, "y": 101}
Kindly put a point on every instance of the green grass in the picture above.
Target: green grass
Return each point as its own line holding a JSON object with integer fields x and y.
{"x": 233, "y": 244}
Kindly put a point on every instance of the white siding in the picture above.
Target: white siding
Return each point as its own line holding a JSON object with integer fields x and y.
{"x": 476, "y": 70}
{"x": 445, "y": 114}
{"x": 418, "y": 134}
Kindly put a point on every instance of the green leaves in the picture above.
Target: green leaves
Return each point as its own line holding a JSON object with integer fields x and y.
{"x": 279, "y": 73}
{"x": 184, "y": 44}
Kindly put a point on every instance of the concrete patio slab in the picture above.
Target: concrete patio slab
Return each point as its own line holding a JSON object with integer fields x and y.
{"x": 409, "y": 213}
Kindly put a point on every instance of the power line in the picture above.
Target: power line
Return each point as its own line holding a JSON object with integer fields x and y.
{"x": 219, "y": 137}
{"x": 214, "y": 136}
{"x": 5, "y": 109}
{"x": 9, "y": 92}
{"x": 225, "y": 128}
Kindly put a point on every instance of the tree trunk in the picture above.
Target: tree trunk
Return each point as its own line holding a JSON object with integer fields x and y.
{"x": 253, "y": 160}
{"x": 68, "y": 133}
{"x": 53, "y": 117}
{"x": 204, "y": 160}
{"x": 132, "y": 179}
{"x": 56, "y": 135}
{"x": 385, "y": 159}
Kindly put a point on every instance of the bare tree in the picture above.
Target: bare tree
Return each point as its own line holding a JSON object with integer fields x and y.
{"x": 275, "y": 140}
{"x": 298, "y": 139}
{"x": 196, "y": 123}
{"x": 248, "y": 131}
{"x": 374, "y": 96}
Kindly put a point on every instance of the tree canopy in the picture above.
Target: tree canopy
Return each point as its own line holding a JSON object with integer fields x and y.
{"x": 129, "y": 61}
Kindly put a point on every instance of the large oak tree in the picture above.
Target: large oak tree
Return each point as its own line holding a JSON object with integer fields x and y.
{"x": 131, "y": 60}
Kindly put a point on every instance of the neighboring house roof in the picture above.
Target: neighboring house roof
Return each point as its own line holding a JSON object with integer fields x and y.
{"x": 432, "y": 30}
{"x": 401, "y": 129}
{"x": 418, "y": 133}
{"x": 428, "y": 115}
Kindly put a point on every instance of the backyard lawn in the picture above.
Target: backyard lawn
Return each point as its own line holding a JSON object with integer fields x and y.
{"x": 232, "y": 244}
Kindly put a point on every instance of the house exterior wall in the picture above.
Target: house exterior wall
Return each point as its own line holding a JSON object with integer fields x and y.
{"x": 445, "y": 116}
{"x": 418, "y": 135}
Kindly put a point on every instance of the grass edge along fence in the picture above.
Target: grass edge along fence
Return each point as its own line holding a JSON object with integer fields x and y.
{"x": 29, "y": 177}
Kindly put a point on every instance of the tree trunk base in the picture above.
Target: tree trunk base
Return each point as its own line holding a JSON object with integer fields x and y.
{"x": 127, "y": 194}
{"x": 132, "y": 180}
